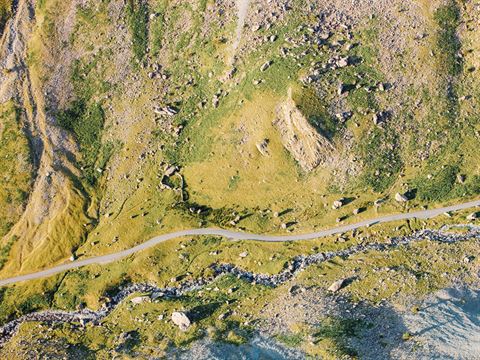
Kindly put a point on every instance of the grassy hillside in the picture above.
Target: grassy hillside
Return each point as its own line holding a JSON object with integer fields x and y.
{"x": 162, "y": 123}
{"x": 15, "y": 167}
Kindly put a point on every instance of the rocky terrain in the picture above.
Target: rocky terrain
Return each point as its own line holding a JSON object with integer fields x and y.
{"x": 122, "y": 120}
{"x": 182, "y": 320}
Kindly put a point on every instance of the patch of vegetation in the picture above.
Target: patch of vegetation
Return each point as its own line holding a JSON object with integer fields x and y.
{"x": 291, "y": 340}
{"x": 34, "y": 303}
{"x": 137, "y": 12}
{"x": 157, "y": 26}
{"x": 338, "y": 330}
{"x": 5, "y": 13}
{"x": 470, "y": 187}
{"x": 15, "y": 167}
{"x": 439, "y": 187}
{"x": 85, "y": 118}
{"x": 233, "y": 183}
{"x": 366, "y": 56}
{"x": 379, "y": 152}
{"x": 315, "y": 110}
{"x": 447, "y": 18}
{"x": 86, "y": 122}
{"x": 5, "y": 251}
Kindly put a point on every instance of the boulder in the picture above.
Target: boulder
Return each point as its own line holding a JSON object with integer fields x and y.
{"x": 380, "y": 117}
{"x": 157, "y": 295}
{"x": 171, "y": 170}
{"x": 343, "y": 62}
{"x": 378, "y": 202}
{"x": 181, "y": 320}
{"x": 400, "y": 197}
{"x": 472, "y": 216}
{"x": 337, "y": 204}
{"x": 461, "y": 178}
{"x": 337, "y": 285}
{"x": 344, "y": 116}
{"x": 262, "y": 147}
{"x": 140, "y": 299}
{"x": 265, "y": 66}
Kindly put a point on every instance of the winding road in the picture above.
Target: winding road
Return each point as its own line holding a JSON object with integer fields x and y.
{"x": 236, "y": 235}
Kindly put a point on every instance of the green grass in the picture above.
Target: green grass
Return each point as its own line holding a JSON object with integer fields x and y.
{"x": 86, "y": 122}
{"x": 338, "y": 330}
{"x": 157, "y": 26}
{"x": 379, "y": 151}
{"x": 5, "y": 13}
{"x": 291, "y": 340}
{"x": 316, "y": 112}
{"x": 367, "y": 52}
{"x": 5, "y": 251}
{"x": 85, "y": 118}
{"x": 137, "y": 12}
{"x": 439, "y": 187}
{"x": 447, "y": 19}
{"x": 15, "y": 167}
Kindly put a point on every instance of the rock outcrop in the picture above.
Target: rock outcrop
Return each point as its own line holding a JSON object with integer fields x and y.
{"x": 309, "y": 148}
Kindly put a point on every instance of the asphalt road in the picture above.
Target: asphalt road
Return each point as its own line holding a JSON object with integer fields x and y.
{"x": 235, "y": 235}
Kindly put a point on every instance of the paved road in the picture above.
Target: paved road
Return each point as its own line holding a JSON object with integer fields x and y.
{"x": 424, "y": 214}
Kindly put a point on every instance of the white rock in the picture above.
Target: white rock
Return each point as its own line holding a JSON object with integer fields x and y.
{"x": 265, "y": 66}
{"x": 400, "y": 197}
{"x": 140, "y": 299}
{"x": 343, "y": 62}
{"x": 337, "y": 285}
{"x": 337, "y": 204}
{"x": 181, "y": 320}
{"x": 472, "y": 216}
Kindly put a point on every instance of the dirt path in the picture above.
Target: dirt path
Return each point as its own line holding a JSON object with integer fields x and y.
{"x": 424, "y": 214}
{"x": 242, "y": 11}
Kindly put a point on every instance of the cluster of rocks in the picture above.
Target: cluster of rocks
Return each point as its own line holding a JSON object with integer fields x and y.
{"x": 156, "y": 72}
{"x": 292, "y": 268}
{"x": 165, "y": 110}
{"x": 381, "y": 117}
{"x": 262, "y": 147}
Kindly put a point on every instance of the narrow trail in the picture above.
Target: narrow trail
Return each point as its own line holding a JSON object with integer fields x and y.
{"x": 236, "y": 235}
{"x": 292, "y": 268}
{"x": 242, "y": 11}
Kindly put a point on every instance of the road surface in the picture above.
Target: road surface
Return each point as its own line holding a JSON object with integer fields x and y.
{"x": 235, "y": 235}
